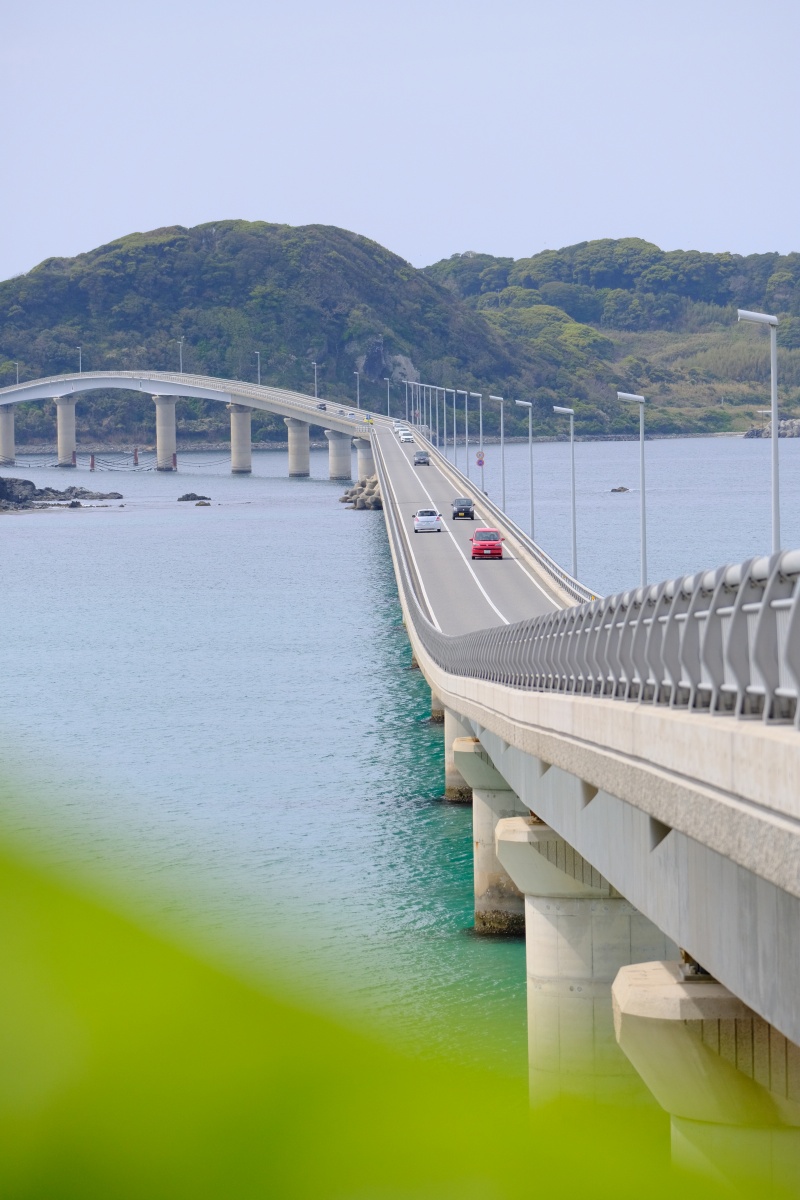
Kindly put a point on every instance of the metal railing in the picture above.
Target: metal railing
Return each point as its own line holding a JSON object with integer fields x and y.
{"x": 725, "y": 642}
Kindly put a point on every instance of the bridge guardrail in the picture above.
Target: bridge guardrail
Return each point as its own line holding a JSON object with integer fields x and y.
{"x": 725, "y": 641}
{"x": 573, "y": 588}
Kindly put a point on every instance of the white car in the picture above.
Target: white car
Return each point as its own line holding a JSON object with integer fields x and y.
{"x": 427, "y": 520}
{"x": 406, "y": 437}
{"x": 352, "y": 414}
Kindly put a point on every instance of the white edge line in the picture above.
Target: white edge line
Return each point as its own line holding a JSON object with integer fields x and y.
{"x": 401, "y": 522}
{"x": 467, "y": 564}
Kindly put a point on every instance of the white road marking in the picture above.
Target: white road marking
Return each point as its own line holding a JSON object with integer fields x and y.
{"x": 467, "y": 564}
{"x": 431, "y": 609}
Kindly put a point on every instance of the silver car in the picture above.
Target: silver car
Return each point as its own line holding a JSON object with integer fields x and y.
{"x": 427, "y": 520}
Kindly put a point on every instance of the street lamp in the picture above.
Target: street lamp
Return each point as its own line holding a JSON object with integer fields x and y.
{"x": 80, "y": 359}
{"x": 502, "y": 451}
{"x": 358, "y": 389}
{"x": 180, "y": 354}
{"x": 314, "y": 365}
{"x": 764, "y": 319}
{"x": 479, "y": 397}
{"x": 406, "y": 383}
{"x": 570, "y": 412}
{"x": 461, "y": 392}
{"x": 643, "y": 509}
{"x": 258, "y": 362}
{"x": 388, "y": 385}
{"x": 529, "y": 405}
{"x": 16, "y": 364}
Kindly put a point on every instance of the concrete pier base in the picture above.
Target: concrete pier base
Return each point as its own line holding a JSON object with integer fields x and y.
{"x": 455, "y": 785}
{"x": 728, "y": 1079}
{"x": 299, "y": 452}
{"x": 578, "y": 933}
{"x": 340, "y": 455}
{"x": 364, "y": 458}
{"x": 65, "y": 422}
{"x": 166, "y": 441}
{"x": 241, "y": 443}
{"x": 499, "y": 904}
{"x": 7, "y": 447}
{"x": 437, "y": 709}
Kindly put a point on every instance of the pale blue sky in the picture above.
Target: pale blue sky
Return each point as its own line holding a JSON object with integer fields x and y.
{"x": 432, "y": 126}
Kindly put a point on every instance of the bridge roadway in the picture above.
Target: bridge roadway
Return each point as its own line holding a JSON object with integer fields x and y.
{"x": 462, "y": 595}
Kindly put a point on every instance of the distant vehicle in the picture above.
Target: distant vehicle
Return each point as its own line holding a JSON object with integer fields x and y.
{"x": 464, "y": 508}
{"x": 406, "y": 439}
{"x": 368, "y": 421}
{"x": 401, "y": 429}
{"x": 352, "y": 414}
{"x": 487, "y": 543}
{"x": 340, "y": 411}
{"x": 421, "y": 459}
{"x": 323, "y": 406}
{"x": 427, "y": 520}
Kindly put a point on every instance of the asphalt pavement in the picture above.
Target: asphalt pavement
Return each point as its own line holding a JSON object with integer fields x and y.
{"x": 463, "y": 595}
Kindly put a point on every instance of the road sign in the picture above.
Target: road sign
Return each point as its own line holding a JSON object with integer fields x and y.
{"x": 479, "y": 459}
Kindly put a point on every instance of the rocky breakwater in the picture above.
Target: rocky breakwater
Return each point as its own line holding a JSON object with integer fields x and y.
{"x": 365, "y": 494}
{"x": 790, "y": 428}
{"x": 19, "y": 494}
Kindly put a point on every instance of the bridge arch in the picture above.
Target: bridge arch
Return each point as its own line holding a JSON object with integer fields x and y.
{"x": 298, "y": 410}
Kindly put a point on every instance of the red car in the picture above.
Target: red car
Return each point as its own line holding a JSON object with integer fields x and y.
{"x": 487, "y": 543}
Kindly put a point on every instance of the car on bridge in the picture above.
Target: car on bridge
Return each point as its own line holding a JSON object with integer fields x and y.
{"x": 427, "y": 520}
{"x": 422, "y": 459}
{"x": 323, "y": 406}
{"x": 463, "y": 509}
{"x": 487, "y": 543}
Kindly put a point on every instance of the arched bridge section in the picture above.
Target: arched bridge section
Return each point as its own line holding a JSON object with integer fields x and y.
{"x": 340, "y": 422}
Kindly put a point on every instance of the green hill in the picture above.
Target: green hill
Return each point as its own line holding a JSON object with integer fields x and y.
{"x": 563, "y": 327}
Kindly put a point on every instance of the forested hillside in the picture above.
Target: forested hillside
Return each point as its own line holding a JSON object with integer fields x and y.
{"x": 563, "y": 327}
{"x": 670, "y": 318}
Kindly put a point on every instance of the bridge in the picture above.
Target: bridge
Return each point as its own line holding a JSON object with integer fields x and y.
{"x": 633, "y": 764}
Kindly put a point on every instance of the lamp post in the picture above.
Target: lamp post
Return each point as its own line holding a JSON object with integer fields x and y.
{"x": 358, "y": 389}
{"x": 643, "y": 507}
{"x": 461, "y": 392}
{"x": 80, "y": 359}
{"x": 772, "y": 322}
{"x": 479, "y": 397}
{"x": 501, "y": 402}
{"x": 314, "y": 365}
{"x": 388, "y": 385}
{"x": 258, "y": 362}
{"x": 406, "y": 383}
{"x": 455, "y": 427}
{"x": 570, "y": 412}
{"x": 529, "y": 405}
{"x": 180, "y": 354}
{"x": 437, "y": 417}
{"x": 16, "y": 364}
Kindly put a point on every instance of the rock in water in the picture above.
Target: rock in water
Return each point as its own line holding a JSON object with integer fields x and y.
{"x": 193, "y": 496}
{"x": 620, "y": 489}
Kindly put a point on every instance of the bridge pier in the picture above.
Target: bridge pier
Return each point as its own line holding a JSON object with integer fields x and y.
{"x": 7, "y": 447}
{"x": 340, "y": 455}
{"x": 299, "y": 451}
{"x": 728, "y": 1079}
{"x": 437, "y": 709}
{"x": 455, "y": 785}
{"x": 364, "y": 458}
{"x": 65, "y": 424}
{"x": 579, "y": 931}
{"x": 241, "y": 445}
{"x": 166, "y": 442}
{"x": 499, "y": 904}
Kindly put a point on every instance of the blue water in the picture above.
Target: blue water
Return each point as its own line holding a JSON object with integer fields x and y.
{"x": 214, "y": 711}
{"x": 214, "y": 708}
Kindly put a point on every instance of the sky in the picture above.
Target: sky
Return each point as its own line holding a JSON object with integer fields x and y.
{"x": 431, "y": 126}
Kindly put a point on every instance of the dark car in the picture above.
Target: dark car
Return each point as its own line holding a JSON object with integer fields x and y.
{"x": 323, "y": 406}
{"x": 421, "y": 459}
{"x": 464, "y": 508}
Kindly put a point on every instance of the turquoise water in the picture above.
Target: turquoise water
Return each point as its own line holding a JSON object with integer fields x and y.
{"x": 214, "y": 709}
{"x": 217, "y": 709}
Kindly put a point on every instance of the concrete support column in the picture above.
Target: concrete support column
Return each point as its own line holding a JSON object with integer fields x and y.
{"x": 340, "y": 454}
{"x": 364, "y": 458}
{"x": 578, "y": 933}
{"x": 241, "y": 447}
{"x": 65, "y": 420}
{"x": 437, "y": 709}
{"x": 728, "y": 1079}
{"x": 455, "y": 785}
{"x": 7, "y": 447}
{"x": 499, "y": 904}
{"x": 166, "y": 443}
{"x": 299, "y": 452}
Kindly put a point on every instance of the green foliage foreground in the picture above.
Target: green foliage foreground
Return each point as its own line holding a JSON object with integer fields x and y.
{"x": 129, "y": 1067}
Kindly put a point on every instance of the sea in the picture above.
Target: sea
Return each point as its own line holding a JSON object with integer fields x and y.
{"x": 210, "y": 714}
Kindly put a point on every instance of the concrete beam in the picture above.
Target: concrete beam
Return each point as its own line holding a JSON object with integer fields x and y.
{"x": 166, "y": 443}
{"x": 299, "y": 448}
{"x": 364, "y": 458}
{"x": 7, "y": 447}
{"x": 65, "y": 421}
{"x": 241, "y": 442}
{"x": 340, "y": 455}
